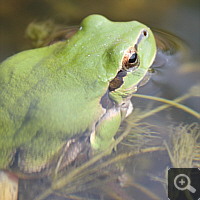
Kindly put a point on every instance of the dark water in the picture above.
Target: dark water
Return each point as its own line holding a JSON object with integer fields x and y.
{"x": 175, "y": 71}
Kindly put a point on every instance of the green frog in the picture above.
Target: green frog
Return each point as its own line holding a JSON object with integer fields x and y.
{"x": 57, "y": 100}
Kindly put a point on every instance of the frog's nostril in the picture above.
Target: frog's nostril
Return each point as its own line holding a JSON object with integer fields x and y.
{"x": 145, "y": 33}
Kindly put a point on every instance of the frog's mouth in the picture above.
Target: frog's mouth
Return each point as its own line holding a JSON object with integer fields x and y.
{"x": 117, "y": 81}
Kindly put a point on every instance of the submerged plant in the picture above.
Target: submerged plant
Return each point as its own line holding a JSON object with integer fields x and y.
{"x": 183, "y": 149}
{"x": 185, "y": 146}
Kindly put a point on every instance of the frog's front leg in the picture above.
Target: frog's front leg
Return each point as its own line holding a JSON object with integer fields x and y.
{"x": 106, "y": 128}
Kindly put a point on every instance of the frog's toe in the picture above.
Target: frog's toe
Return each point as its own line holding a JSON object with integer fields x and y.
{"x": 8, "y": 186}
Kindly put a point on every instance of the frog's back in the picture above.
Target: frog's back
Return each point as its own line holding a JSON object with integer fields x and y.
{"x": 42, "y": 95}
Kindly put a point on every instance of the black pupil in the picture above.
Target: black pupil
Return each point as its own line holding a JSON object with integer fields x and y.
{"x": 133, "y": 58}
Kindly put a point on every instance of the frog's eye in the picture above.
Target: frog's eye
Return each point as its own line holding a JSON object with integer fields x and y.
{"x": 130, "y": 59}
{"x": 133, "y": 58}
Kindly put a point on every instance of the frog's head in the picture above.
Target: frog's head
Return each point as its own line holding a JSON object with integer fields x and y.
{"x": 138, "y": 56}
{"x": 126, "y": 50}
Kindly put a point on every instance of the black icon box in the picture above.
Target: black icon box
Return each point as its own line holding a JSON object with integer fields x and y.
{"x": 184, "y": 184}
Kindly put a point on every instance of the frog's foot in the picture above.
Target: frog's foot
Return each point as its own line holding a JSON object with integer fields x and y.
{"x": 71, "y": 152}
{"x": 8, "y": 186}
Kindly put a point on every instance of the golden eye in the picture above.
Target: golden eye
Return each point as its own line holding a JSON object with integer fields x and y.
{"x": 130, "y": 59}
{"x": 133, "y": 58}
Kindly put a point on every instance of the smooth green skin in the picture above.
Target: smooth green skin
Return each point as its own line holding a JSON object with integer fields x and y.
{"x": 50, "y": 94}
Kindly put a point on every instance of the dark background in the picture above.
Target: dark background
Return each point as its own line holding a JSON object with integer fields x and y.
{"x": 181, "y": 17}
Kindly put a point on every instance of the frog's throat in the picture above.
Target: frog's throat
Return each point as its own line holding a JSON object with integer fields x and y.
{"x": 125, "y": 105}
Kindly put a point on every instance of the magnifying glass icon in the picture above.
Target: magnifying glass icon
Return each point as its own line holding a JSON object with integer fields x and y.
{"x": 183, "y": 183}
